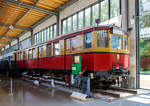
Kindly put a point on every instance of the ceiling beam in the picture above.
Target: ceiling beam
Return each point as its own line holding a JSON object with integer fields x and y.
{"x": 3, "y": 9}
{"x": 3, "y": 43}
{"x": 70, "y": 2}
{"x": 22, "y": 28}
{"x": 9, "y": 37}
{"x": 29, "y": 6}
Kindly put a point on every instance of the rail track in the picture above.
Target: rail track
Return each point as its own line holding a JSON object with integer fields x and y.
{"x": 114, "y": 92}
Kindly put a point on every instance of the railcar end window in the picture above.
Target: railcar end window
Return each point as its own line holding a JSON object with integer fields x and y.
{"x": 116, "y": 42}
{"x": 88, "y": 40}
{"x": 102, "y": 39}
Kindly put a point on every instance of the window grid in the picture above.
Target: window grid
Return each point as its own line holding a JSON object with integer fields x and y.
{"x": 46, "y": 34}
{"x": 105, "y": 10}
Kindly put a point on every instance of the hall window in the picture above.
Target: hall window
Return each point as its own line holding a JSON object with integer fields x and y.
{"x": 51, "y": 32}
{"x": 45, "y": 35}
{"x": 75, "y": 22}
{"x": 42, "y": 34}
{"x": 104, "y": 10}
{"x": 80, "y": 20}
{"x": 64, "y": 26}
{"x": 88, "y": 40}
{"x": 40, "y": 37}
{"x": 69, "y": 21}
{"x": 88, "y": 16}
{"x": 48, "y": 34}
{"x": 95, "y": 13}
{"x": 114, "y": 8}
{"x": 54, "y": 27}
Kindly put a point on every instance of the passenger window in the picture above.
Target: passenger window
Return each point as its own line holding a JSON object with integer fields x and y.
{"x": 30, "y": 54}
{"x": 102, "y": 39}
{"x": 126, "y": 43}
{"x": 116, "y": 42}
{"x": 21, "y": 56}
{"x": 34, "y": 53}
{"x": 77, "y": 43}
{"x": 24, "y": 55}
{"x": 49, "y": 50}
{"x": 88, "y": 40}
{"x": 40, "y": 51}
{"x": 56, "y": 48}
{"x": 68, "y": 44}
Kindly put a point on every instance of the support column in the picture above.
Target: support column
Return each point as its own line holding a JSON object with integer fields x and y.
{"x": 137, "y": 45}
{"x": 57, "y": 23}
{"x": 126, "y": 14}
{"x": 18, "y": 43}
{"x": 133, "y": 46}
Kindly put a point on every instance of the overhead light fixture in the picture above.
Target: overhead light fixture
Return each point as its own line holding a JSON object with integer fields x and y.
{"x": 11, "y": 27}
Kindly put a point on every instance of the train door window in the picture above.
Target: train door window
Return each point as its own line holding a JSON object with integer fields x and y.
{"x": 77, "y": 43}
{"x": 116, "y": 42}
{"x": 102, "y": 39}
{"x": 40, "y": 51}
{"x": 126, "y": 42}
{"x": 88, "y": 40}
{"x": 56, "y": 48}
{"x": 68, "y": 45}
{"x": 30, "y": 54}
{"x": 34, "y": 53}
{"x": 49, "y": 50}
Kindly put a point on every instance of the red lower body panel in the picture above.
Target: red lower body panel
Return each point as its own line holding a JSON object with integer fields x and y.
{"x": 90, "y": 62}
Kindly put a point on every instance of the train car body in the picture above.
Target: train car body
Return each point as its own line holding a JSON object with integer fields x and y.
{"x": 104, "y": 53}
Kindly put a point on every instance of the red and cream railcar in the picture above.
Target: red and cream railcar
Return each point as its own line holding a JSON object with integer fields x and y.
{"x": 104, "y": 51}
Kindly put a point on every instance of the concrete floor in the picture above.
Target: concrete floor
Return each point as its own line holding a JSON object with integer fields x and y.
{"x": 145, "y": 81}
{"x": 26, "y": 94}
